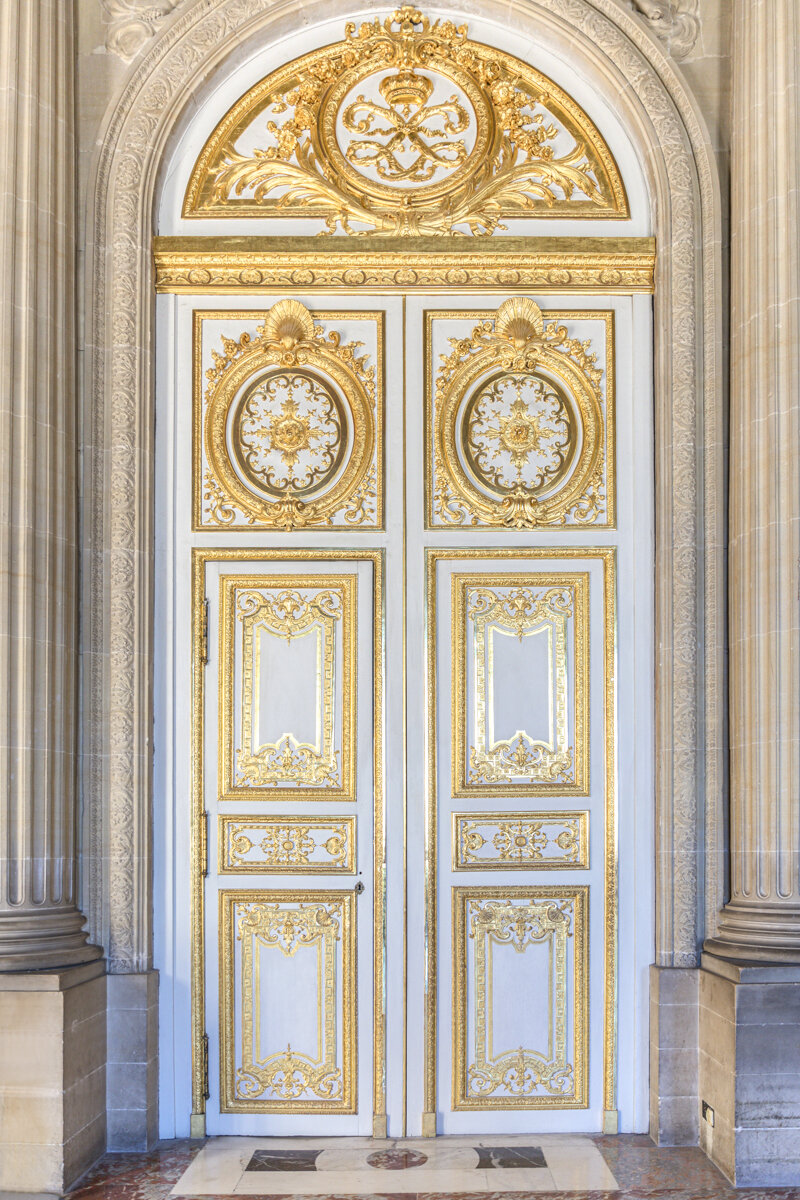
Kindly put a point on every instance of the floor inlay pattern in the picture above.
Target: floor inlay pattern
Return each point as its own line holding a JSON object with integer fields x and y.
{"x": 639, "y": 1170}
{"x": 361, "y": 1167}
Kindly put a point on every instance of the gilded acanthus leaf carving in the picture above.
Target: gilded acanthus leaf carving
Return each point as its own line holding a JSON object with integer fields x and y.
{"x": 406, "y": 127}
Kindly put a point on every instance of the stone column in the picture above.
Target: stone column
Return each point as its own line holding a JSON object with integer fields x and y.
{"x": 749, "y": 1011}
{"x": 762, "y": 920}
{"x": 40, "y": 923}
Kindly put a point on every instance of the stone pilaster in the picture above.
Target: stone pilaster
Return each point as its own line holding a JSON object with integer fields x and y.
{"x": 762, "y": 920}
{"x": 40, "y": 923}
{"x": 749, "y": 1026}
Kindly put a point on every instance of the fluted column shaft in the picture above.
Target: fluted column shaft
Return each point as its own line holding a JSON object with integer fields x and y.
{"x": 40, "y": 924}
{"x": 762, "y": 920}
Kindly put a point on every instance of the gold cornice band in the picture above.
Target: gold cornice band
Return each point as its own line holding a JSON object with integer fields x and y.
{"x": 222, "y": 265}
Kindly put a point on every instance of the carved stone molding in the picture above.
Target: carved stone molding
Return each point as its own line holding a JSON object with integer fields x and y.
{"x": 676, "y": 24}
{"x": 132, "y": 23}
{"x": 618, "y": 55}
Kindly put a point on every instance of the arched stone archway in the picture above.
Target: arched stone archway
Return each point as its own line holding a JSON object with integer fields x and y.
{"x": 632, "y": 71}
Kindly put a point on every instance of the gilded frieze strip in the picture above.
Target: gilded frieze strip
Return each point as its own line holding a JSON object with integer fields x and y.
{"x": 227, "y": 265}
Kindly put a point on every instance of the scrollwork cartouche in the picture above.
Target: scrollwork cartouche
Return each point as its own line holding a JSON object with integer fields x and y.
{"x": 407, "y": 127}
{"x": 538, "y": 459}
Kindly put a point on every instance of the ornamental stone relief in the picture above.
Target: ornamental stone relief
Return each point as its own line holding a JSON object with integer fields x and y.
{"x": 406, "y": 127}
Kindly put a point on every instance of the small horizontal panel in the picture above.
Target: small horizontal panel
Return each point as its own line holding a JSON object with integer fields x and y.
{"x": 288, "y": 1001}
{"x": 522, "y": 841}
{"x": 520, "y": 1000}
{"x": 287, "y": 845}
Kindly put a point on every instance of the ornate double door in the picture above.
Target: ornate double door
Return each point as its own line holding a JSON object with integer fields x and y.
{"x": 414, "y": 542}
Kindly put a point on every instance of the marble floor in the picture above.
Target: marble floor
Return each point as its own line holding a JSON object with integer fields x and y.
{"x": 628, "y": 1167}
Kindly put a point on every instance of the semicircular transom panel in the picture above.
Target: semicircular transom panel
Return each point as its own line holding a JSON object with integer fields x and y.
{"x": 406, "y": 126}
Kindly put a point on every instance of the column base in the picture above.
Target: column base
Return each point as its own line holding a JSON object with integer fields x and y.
{"x": 757, "y": 931}
{"x": 749, "y": 1071}
{"x": 52, "y": 1078}
{"x": 674, "y": 1107}
{"x": 44, "y": 939}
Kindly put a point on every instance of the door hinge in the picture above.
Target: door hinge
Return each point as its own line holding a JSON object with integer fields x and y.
{"x": 206, "y": 1092}
{"x": 204, "y": 633}
{"x": 204, "y": 843}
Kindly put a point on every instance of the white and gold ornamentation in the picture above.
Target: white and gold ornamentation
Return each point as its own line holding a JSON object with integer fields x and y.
{"x": 287, "y": 845}
{"x": 287, "y": 687}
{"x": 519, "y": 423}
{"x": 288, "y": 426}
{"x": 526, "y": 841}
{"x": 406, "y": 127}
{"x": 519, "y": 997}
{"x": 287, "y": 1001}
{"x": 520, "y": 678}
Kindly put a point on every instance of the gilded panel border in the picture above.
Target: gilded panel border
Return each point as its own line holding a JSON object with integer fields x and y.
{"x": 521, "y": 841}
{"x": 578, "y": 582}
{"x": 201, "y": 557}
{"x": 346, "y": 791}
{"x": 373, "y": 449}
{"x": 344, "y": 905}
{"x": 608, "y": 557}
{"x": 578, "y": 894}
{"x": 222, "y": 266}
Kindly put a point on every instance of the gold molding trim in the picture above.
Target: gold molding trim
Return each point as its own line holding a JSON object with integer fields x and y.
{"x": 287, "y": 845}
{"x": 521, "y": 841}
{"x": 201, "y": 557}
{"x": 226, "y": 265}
{"x": 322, "y": 775}
{"x": 520, "y": 916}
{"x": 406, "y": 127}
{"x": 311, "y": 918}
{"x": 608, "y": 557}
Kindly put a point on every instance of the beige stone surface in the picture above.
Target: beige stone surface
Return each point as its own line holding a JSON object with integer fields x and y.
{"x": 52, "y": 1080}
{"x": 40, "y": 923}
